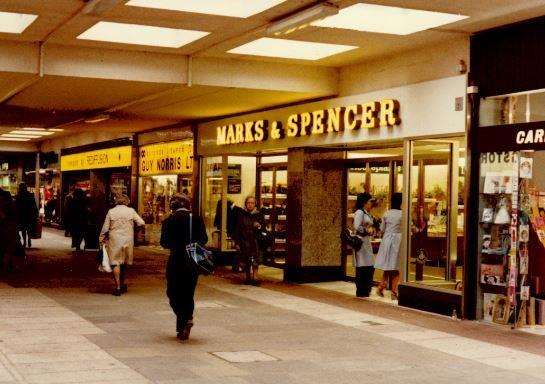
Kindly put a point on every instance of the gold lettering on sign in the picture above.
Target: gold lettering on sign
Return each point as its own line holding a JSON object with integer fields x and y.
{"x": 350, "y": 121}
{"x": 369, "y": 117}
{"x": 293, "y": 130}
{"x": 318, "y": 122}
{"x": 334, "y": 119}
{"x": 389, "y": 113}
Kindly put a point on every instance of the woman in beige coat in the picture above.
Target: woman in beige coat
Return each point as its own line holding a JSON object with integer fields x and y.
{"x": 118, "y": 236}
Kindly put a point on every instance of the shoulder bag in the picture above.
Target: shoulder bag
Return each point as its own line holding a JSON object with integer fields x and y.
{"x": 200, "y": 255}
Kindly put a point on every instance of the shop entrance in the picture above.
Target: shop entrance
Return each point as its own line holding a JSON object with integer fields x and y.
{"x": 380, "y": 173}
{"x": 436, "y": 213}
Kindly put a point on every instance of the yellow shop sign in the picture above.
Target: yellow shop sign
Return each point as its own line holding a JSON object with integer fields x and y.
{"x": 166, "y": 158}
{"x": 101, "y": 158}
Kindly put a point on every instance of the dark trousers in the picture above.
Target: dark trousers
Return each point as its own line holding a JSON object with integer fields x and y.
{"x": 181, "y": 286}
{"x": 364, "y": 280}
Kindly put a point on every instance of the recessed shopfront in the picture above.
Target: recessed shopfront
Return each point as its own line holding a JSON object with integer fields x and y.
{"x": 103, "y": 171}
{"x": 305, "y": 165}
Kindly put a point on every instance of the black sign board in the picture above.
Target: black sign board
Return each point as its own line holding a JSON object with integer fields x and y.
{"x": 511, "y": 137}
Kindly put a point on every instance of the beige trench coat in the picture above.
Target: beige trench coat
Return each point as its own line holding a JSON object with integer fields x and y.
{"x": 119, "y": 226}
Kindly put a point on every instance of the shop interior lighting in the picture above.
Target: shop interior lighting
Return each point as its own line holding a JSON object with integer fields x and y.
{"x": 290, "y": 49}
{"x": 32, "y": 133}
{"x": 18, "y": 136}
{"x": 385, "y": 19}
{"x": 141, "y": 34}
{"x": 231, "y": 8}
{"x": 301, "y": 20}
{"x": 12, "y": 139}
{"x": 15, "y": 22}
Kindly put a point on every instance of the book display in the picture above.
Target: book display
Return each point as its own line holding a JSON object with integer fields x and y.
{"x": 512, "y": 240}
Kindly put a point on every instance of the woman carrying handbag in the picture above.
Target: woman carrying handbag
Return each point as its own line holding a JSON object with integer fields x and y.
{"x": 180, "y": 229}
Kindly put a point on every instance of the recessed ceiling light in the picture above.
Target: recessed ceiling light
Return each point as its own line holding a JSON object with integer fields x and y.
{"x": 290, "y": 49}
{"x": 12, "y": 139}
{"x": 233, "y": 8}
{"x": 384, "y": 19}
{"x": 141, "y": 34}
{"x": 30, "y": 133}
{"x": 21, "y": 136}
{"x": 15, "y": 22}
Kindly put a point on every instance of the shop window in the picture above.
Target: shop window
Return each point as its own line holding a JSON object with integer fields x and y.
{"x": 212, "y": 174}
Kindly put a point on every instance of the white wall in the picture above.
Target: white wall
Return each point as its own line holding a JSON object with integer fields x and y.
{"x": 423, "y": 64}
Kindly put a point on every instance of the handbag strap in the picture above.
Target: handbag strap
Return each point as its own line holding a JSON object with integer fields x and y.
{"x": 190, "y": 228}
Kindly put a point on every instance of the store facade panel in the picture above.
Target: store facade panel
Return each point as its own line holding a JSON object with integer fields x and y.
{"x": 306, "y": 164}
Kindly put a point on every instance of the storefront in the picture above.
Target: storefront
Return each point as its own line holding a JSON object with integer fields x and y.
{"x": 13, "y": 168}
{"x": 508, "y": 176}
{"x": 305, "y": 164}
{"x": 164, "y": 169}
{"x": 103, "y": 171}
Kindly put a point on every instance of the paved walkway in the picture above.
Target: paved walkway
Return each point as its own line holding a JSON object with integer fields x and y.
{"x": 67, "y": 328}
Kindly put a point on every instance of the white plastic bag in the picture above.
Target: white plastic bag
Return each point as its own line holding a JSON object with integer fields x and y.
{"x": 105, "y": 266}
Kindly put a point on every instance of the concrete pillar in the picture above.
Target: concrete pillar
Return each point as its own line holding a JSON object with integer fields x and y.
{"x": 316, "y": 197}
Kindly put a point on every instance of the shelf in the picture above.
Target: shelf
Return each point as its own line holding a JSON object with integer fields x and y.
{"x": 282, "y": 217}
{"x": 280, "y": 241}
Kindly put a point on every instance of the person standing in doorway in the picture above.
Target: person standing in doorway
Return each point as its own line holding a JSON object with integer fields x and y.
{"x": 27, "y": 212}
{"x": 118, "y": 235}
{"x": 249, "y": 221}
{"x": 363, "y": 226}
{"x": 181, "y": 272}
{"x": 77, "y": 215}
{"x": 388, "y": 253}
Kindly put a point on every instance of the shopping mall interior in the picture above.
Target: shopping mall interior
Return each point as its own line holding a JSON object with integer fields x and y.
{"x": 305, "y": 106}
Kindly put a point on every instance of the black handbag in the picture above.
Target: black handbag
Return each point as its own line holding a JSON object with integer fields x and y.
{"x": 201, "y": 256}
{"x": 265, "y": 239}
{"x": 353, "y": 241}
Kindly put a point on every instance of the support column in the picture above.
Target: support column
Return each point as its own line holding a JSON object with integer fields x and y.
{"x": 315, "y": 215}
{"x": 37, "y": 180}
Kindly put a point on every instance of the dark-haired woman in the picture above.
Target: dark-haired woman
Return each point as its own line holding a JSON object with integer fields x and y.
{"x": 388, "y": 253}
{"x": 363, "y": 226}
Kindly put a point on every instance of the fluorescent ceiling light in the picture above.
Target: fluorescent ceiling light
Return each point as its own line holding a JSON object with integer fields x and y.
{"x": 232, "y": 8}
{"x": 384, "y": 19}
{"x": 21, "y": 136}
{"x": 30, "y": 133}
{"x": 141, "y": 34}
{"x": 301, "y": 20}
{"x": 56, "y": 130}
{"x": 290, "y": 49}
{"x": 12, "y": 139}
{"x": 15, "y": 22}
{"x": 34, "y": 129}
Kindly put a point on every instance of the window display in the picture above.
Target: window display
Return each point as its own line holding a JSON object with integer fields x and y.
{"x": 512, "y": 208}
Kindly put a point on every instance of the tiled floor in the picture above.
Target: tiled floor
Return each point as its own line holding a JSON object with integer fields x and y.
{"x": 61, "y": 325}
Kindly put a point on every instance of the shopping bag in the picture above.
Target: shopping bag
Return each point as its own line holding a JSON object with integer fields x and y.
{"x": 201, "y": 256}
{"x": 104, "y": 261}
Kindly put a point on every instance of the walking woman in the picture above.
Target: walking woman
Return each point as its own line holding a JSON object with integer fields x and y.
{"x": 181, "y": 273}
{"x": 363, "y": 226}
{"x": 118, "y": 235}
{"x": 249, "y": 220}
{"x": 388, "y": 253}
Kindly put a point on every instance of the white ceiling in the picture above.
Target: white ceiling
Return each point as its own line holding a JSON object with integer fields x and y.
{"x": 146, "y": 102}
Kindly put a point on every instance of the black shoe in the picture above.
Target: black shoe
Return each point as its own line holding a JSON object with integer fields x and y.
{"x": 124, "y": 288}
{"x": 184, "y": 334}
{"x": 117, "y": 292}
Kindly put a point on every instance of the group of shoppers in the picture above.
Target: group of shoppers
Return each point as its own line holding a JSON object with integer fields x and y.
{"x": 18, "y": 222}
{"x": 366, "y": 227}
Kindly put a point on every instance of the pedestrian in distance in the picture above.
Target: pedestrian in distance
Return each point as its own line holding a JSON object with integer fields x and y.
{"x": 27, "y": 214}
{"x": 118, "y": 235}
{"x": 248, "y": 221}
{"x": 77, "y": 216}
{"x": 181, "y": 273}
{"x": 8, "y": 230}
{"x": 364, "y": 257}
{"x": 388, "y": 253}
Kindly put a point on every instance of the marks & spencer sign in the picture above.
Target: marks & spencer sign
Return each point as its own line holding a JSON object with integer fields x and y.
{"x": 375, "y": 114}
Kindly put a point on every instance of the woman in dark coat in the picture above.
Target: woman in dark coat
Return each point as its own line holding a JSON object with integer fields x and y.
{"x": 8, "y": 230}
{"x": 181, "y": 272}
{"x": 27, "y": 212}
{"x": 78, "y": 213}
{"x": 249, "y": 220}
